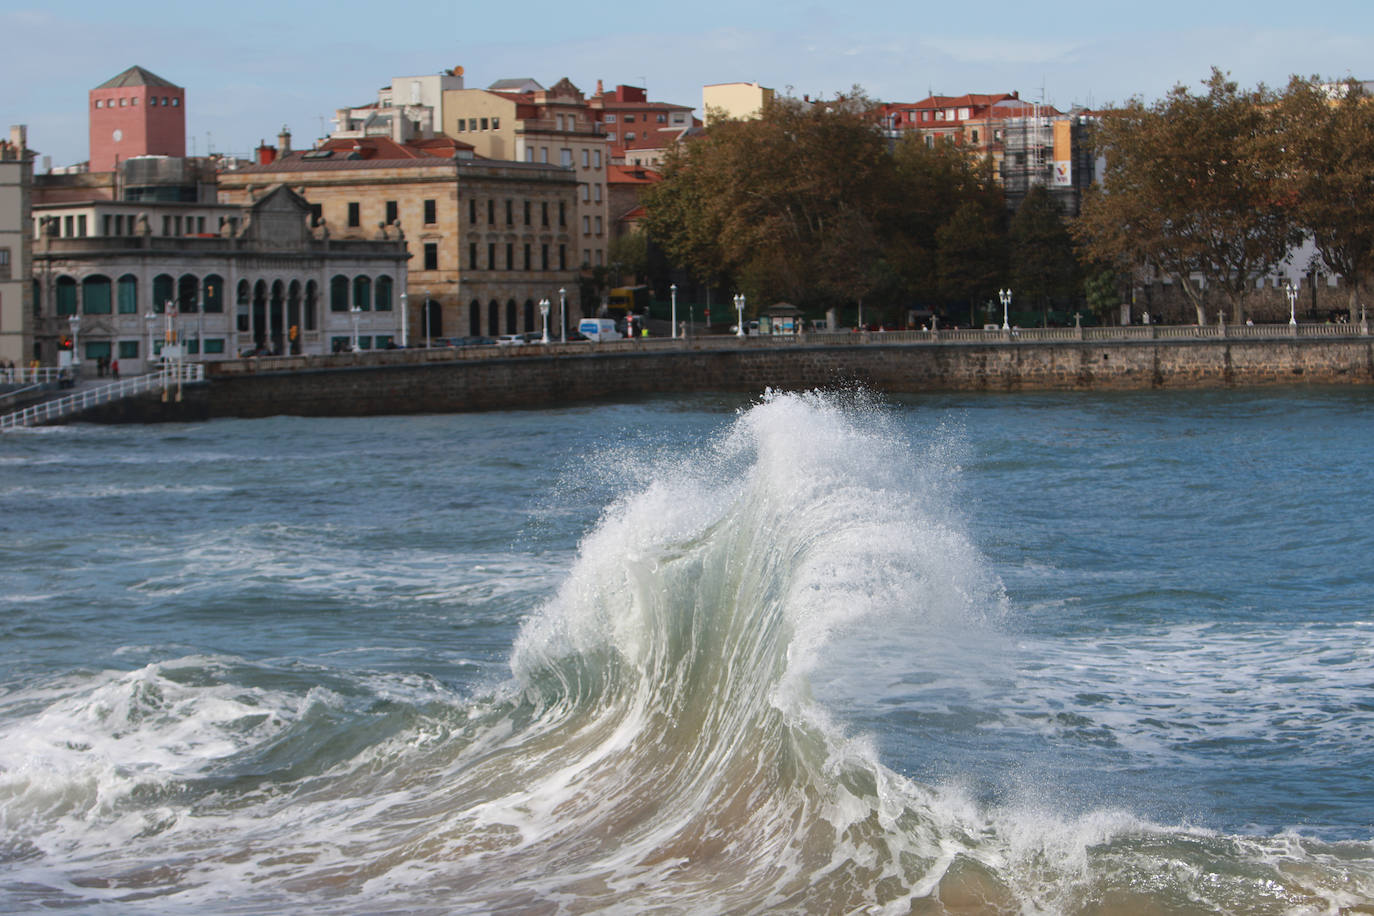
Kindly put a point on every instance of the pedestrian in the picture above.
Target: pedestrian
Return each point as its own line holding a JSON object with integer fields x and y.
{"x": 114, "y": 368}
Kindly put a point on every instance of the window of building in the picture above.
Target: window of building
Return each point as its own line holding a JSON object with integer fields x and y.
{"x": 462, "y": 125}
{"x": 529, "y": 154}
{"x": 586, "y": 192}
{"x": 679, "y": 118}
{"x": 382, "y": 299}
{"x": 152, "y": 102}
{"x": 596, "y": 154}
{"x": 610, "y": 118}
{"x": 472, "y": 210}
{"x": 214, "y": 345}
{"x": 586, "y": 225}
{"x": 662, "y": 119}
{"x": 95, "y": 295}
{"x": 213, "y": 294}
{"x": 629, "y": 135}
{"x": 544, "y": 213}
{"x": 598, "y": 225}
{"x": 586, "y": 158}
{"x": 123, "y": 102}
{"x": 338, "y": 293}
{"x": 562, "y": 214}
{"x": 629, "y": 119}
{"x": 472, "y": 255}
{"x": 565, "y": 156}
{"x": 354, "y": 215}
{"x": 510, "y": 256}
{"x": 491, "y": 255}
{"x": 596, "y": 193}
{"x": 527, "y": 255}
{"x": 98, "y": 103}
{"x": 510, "y": 212}
{"x": 544, "y": 155}
{"x": 431, "y": 213}
{"x": 560, "y": 122}
{"x": 362, "y": 293}
{"x": 484, "y": 124}
{"x": 586, "y": 257}
{"x": 128, "y": 349}
{"x": 134, "y": 101}
{"x": 562, "y": 257}
{"x": 527, "y": 213}
{"x": 431, "y": 256}
{"x": 491, "y": 213}
{"x": 392, "y": 212}
{"x": 598, "y": 257}
{"x": 472, "y": 123}
{"x": 176, "y": 102}
{"x": 612, "y": 136}
{"x": 4, "y": 263}
{"x": 973, "y": 135}
{"x": 544, "y": 256}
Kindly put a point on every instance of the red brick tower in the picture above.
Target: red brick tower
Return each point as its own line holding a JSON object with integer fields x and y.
{"x": 136, "y": 113}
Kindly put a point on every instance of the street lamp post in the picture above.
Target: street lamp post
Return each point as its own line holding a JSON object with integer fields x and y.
{"x": 356, "y": 310}
{"x": 544, "y": 305}
{"x": 672, "y": 290}
{"x": 149, "y": 317}
{"x": 563, "y": 314}
{"x": 1292, "y": 292}
{"x": 75, "y": 322}
{"x": 405, "y": 320}
{"x": 426, "y": 308}
{"x": 739, "y": 307}
{"x": 1005, "y": 296}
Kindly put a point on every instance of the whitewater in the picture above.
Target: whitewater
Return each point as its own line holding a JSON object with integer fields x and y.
{"x": 810, "y": 653}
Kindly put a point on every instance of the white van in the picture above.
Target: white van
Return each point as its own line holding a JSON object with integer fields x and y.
{"x": 598, "y": 329}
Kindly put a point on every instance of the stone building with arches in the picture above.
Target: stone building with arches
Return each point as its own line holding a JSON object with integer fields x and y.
{"x": 263, "y": 282}
{"x": 489, "y": 239}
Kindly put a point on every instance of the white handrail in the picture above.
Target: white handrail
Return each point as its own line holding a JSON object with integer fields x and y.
{"x": 91, "y": 397}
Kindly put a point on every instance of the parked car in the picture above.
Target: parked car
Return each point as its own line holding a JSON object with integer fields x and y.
{"x": 510, "y": 340}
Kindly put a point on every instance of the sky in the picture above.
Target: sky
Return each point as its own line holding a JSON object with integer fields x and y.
{"x": 250, "y": 67}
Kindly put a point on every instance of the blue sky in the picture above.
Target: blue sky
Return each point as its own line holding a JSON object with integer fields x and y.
{"x": 249, "y": 67}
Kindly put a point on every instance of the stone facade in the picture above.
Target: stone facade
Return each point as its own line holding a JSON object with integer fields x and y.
{"x": 484, "y": 237}
{"x": 16, "y": 310}
{"x": 263, "y": 283}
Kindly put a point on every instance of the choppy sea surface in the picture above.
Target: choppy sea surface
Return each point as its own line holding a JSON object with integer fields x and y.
{"x": 808, "y": 653}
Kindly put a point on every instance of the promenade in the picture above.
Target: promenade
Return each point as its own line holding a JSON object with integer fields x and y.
{"x": 445, "y": 380}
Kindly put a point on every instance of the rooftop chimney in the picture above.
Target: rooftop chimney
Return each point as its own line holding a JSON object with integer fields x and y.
{"x": 284, "y": 140}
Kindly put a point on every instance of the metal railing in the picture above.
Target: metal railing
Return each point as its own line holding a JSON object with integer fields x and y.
{"x": 102, "y": 394}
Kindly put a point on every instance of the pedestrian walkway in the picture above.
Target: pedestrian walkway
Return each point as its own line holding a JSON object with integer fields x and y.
{"x": 87, "y": 393}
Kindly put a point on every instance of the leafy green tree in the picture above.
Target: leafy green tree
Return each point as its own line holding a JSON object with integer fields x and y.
{"x": 1192, "y": 187}
{"x": 1043, "y": 267}
{"x": 1327, "y": 141}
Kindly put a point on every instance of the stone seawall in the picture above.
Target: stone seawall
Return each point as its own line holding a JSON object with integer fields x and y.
{"x": 534, "y": 376}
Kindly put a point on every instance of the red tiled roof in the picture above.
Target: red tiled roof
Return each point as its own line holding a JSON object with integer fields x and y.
{"x": 632, "y": 174}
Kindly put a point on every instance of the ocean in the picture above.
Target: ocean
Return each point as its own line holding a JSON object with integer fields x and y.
{"x": 804, "y": 653}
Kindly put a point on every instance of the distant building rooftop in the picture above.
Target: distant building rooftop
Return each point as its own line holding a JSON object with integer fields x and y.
{"x": 136, "y": 76}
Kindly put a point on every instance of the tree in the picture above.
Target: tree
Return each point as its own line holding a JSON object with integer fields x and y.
{"x": 787, "y": 202}
{"x": 1043, "y": 267}
{"x": 1328, "y": 145}
{"x": 970, "y": 256}
{"x": 1192, "y": 187}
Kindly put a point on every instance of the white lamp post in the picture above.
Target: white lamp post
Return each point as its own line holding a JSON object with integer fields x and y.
{"x": 544, "y": 305}
{"x": 75, "y": 322}
{"x": 739, "y": 307}
{"x": 1292, "y": 292}
{"x": 672, "y": 290}
{"x": 356, "y": 310}
{"x": 405, "y": 320}
{"x": 1005, "y": 296}
{"x": 563, "y": 314}
{"x": 149, "y": 317}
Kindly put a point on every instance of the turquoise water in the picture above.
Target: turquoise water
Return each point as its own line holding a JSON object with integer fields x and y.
{"x": 1041, "y": 653}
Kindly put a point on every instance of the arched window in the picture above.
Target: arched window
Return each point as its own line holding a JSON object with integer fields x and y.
{"x": 494, "y": 318}
{"x": 244, "y": 307}
{"x": 383, "y": 293}
{"x": 312, "y": 295}
{"x": 95, "y": 295}
{"x": 475, "y": 318}
{"x": 433, "y": 319}
{"x": 362, "y": 293}
{"x": 162, "y": 292}
{"x": 338, "y": 293}
{"x": 510, "y": 317}
{"x": 66, "y": 296}
{"x": 214, "y": 293}
{"x": 128, "y": 295}
{"x": 188, "y": 293}
{"x": 529, "y": 315}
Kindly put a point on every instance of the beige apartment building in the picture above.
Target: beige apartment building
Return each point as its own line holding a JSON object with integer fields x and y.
{"x": 488, "y": 240}
{"x": 520, "y": 121}
{"x": 733, "y": 100}
{"x": 16, "y": 178}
